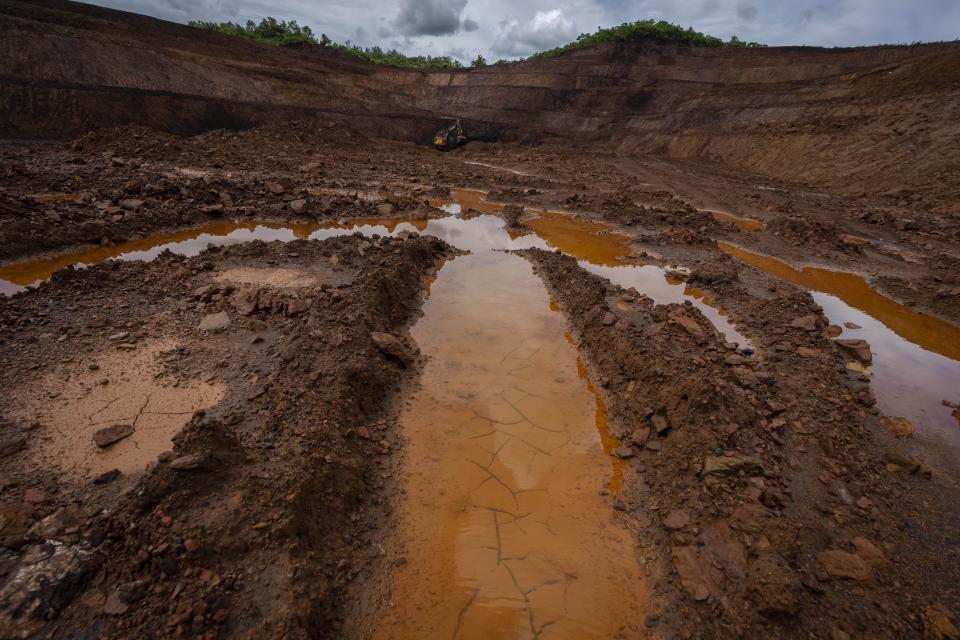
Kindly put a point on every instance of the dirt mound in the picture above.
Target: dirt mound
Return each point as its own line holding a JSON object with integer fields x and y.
{"x": 128, "y": 139}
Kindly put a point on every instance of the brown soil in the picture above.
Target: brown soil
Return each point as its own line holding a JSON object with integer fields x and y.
{"x": 268, "y": 502}
{"x": 277, "y": 458}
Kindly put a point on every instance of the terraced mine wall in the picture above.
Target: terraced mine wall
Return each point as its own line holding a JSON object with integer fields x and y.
{"x": 861, "y": 120}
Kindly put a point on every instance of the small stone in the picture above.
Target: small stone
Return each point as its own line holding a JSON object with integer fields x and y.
{"x": 187, "y": 463}
{"x": 859, "y": 349}
{"x": 660, "y": 423}
{"x": 390, "y": 345}
{"x": 107, "y": 477}
{"x": 109, "y": 435}
{"x": 274, "y": 187}
{"x": 165, "y": 457}
{"x": 10, "y": 446}
{"x": 609, "y": 319}
{"x": 298, "y": 206}
{"x": 867, "y": 550}
{"x": 851, "y": 325}
{"x": 899, "y": 427}
{"x": 123, "y": 335}
{"x": 385, "y": 209}
{"x": 807, "y": 323}
{"x": 676, "y": 520}
{"x": 624, "y": 452}
{"x": 215, "y": 322}
{"x": 114, "y": 605}
{"x": 937, "y": 624}
{"x": 840, "y": 564}
{"x": 731, "y": 465}
{"x": 652, "y": 445}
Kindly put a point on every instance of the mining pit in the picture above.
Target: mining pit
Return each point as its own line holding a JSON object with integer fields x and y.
{"x": 274, "y": 367}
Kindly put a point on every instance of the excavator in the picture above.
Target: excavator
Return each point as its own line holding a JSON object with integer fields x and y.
{"x": 451, "y": 136}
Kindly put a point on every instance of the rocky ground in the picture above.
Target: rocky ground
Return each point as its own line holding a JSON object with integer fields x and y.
{"x": 764, "y": 495}
{"x": 257, "y": 520}
{"x": 758, "y": 485}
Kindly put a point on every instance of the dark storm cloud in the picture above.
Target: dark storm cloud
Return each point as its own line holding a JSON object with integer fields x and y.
{"x": 429, "y": 17}
{"x": 470, "y": 25}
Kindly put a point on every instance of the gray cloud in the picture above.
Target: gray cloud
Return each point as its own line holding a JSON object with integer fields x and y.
{"x": 545, "y": 30}
{"x": 775, "y": 22}
{"x": 747, "y": 12}
{"x": 429, "y": 17}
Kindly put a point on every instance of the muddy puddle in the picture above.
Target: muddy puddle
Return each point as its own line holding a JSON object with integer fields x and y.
{"x": 916, "y": 357}
{"x": 597, "y": 250}
{"x": 17, "y": 276}
{"x": 125, "y": 393}
{"x": 742, "y": 223}
{"x": 503, "y": 528}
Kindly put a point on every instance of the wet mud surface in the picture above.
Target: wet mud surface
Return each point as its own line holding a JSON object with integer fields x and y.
{"x": 282, "y": 383}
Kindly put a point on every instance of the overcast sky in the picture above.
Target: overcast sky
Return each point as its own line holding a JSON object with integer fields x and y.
{"x": 508, "y": 28}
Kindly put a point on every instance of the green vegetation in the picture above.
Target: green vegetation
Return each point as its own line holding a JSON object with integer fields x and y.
{"x": 289, "y": 33}
{"x": 269, "y": 31}
{"x": 645, "y": 30}
{"x": 393, "y": 57}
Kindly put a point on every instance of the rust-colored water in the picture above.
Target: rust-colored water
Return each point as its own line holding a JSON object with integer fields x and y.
{"x": 598, "y": 250}
{"x": 916, "y": 357}
{"x": 504, "y": 530}
{"x": 744, "y": 224}
{"x": 15, "y": 276}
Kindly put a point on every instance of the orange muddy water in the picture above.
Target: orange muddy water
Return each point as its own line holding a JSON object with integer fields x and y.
{"x": 744, "y": 224}
{"x": 16, "y": 276}
{"x": 916, "y": 357}
{"x": 504, "y": 531}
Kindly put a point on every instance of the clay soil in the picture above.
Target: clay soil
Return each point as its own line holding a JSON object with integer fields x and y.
{"x": 764, "y": 497}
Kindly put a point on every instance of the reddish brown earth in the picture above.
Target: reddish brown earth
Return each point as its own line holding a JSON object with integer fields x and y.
{"x": 767, "y": 494}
